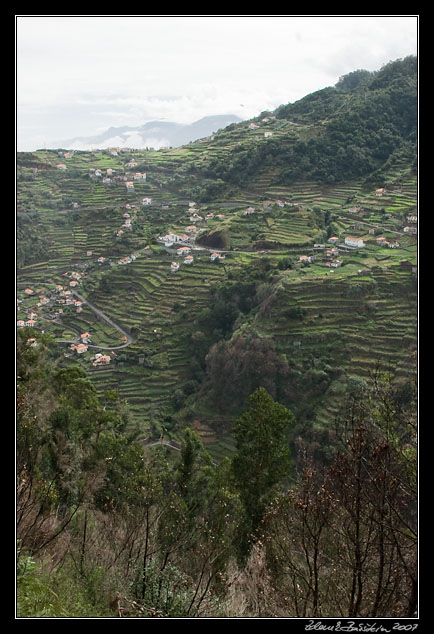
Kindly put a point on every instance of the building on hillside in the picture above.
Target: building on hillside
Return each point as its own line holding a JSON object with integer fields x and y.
{"x": 333, "y": 240}
{"x": 183, "y": 251}
{"x": 130, "y": 186}
{"x": 214, "y": 256}
{"x": 146, "y": 201}
{"x": 174, "y": 266}
{"x": 354, "y": 242}
{"x": 140, "y": 176}
{"x": 79, "y": 348}
{"x": 101, "y": 359}
{"x": 61, "y": 166}
{"x": 189, "y": 259}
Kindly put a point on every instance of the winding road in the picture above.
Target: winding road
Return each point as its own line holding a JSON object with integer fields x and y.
{"x": 103, "y": 317}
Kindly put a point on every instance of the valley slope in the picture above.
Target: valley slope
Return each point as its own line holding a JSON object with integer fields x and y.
{"x": 302, "y": 225}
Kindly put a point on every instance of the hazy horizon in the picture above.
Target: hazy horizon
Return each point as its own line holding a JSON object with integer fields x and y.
{"x": 77, "y": 76}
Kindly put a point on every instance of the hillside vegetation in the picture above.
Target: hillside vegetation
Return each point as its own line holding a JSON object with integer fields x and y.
{"x": 301, "y": 290}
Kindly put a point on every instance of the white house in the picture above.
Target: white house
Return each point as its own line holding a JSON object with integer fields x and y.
{"x": 354, "y": 242}
{"x": 189, "y": 259}
{"x": 174, "y": 266}
{"x": 80, "y": 348}
{"x": 101, "y": 359}
{"x": 214, "y": 256}
{"x": 146, "y": 201}
{"x": 183, "y": 251}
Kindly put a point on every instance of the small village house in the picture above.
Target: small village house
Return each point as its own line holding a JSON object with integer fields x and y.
{"x": 101, "y": 359}
{"x": 354, "y": 242}
{"x": 79, "y": 348}
{"x": 183, "y": 251}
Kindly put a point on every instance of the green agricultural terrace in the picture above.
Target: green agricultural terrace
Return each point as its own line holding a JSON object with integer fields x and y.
{"x": 319, "y": 273}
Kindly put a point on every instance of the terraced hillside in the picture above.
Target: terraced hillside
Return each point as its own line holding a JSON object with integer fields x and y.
{"x": 354, "y": 316}
{"x": 271, "y": 264}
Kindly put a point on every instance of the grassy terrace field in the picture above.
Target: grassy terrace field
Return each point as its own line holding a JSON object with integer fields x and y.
{"x": 351, "y": 320}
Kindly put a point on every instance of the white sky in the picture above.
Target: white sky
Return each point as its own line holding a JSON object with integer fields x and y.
{"x": 79, "y": 75}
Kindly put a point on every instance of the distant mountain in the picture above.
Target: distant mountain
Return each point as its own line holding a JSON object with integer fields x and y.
{"x": 154, "y": 134}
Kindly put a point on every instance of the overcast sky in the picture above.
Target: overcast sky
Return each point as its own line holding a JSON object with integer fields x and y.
{"x": 79, "y": 75}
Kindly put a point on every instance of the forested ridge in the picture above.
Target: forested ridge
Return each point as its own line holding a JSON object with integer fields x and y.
{"x": 354, "y": 128}
{"x": 250, "y": 449}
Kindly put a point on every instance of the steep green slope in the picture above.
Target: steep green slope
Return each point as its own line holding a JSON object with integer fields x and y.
{"x": 272, "y": 309}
